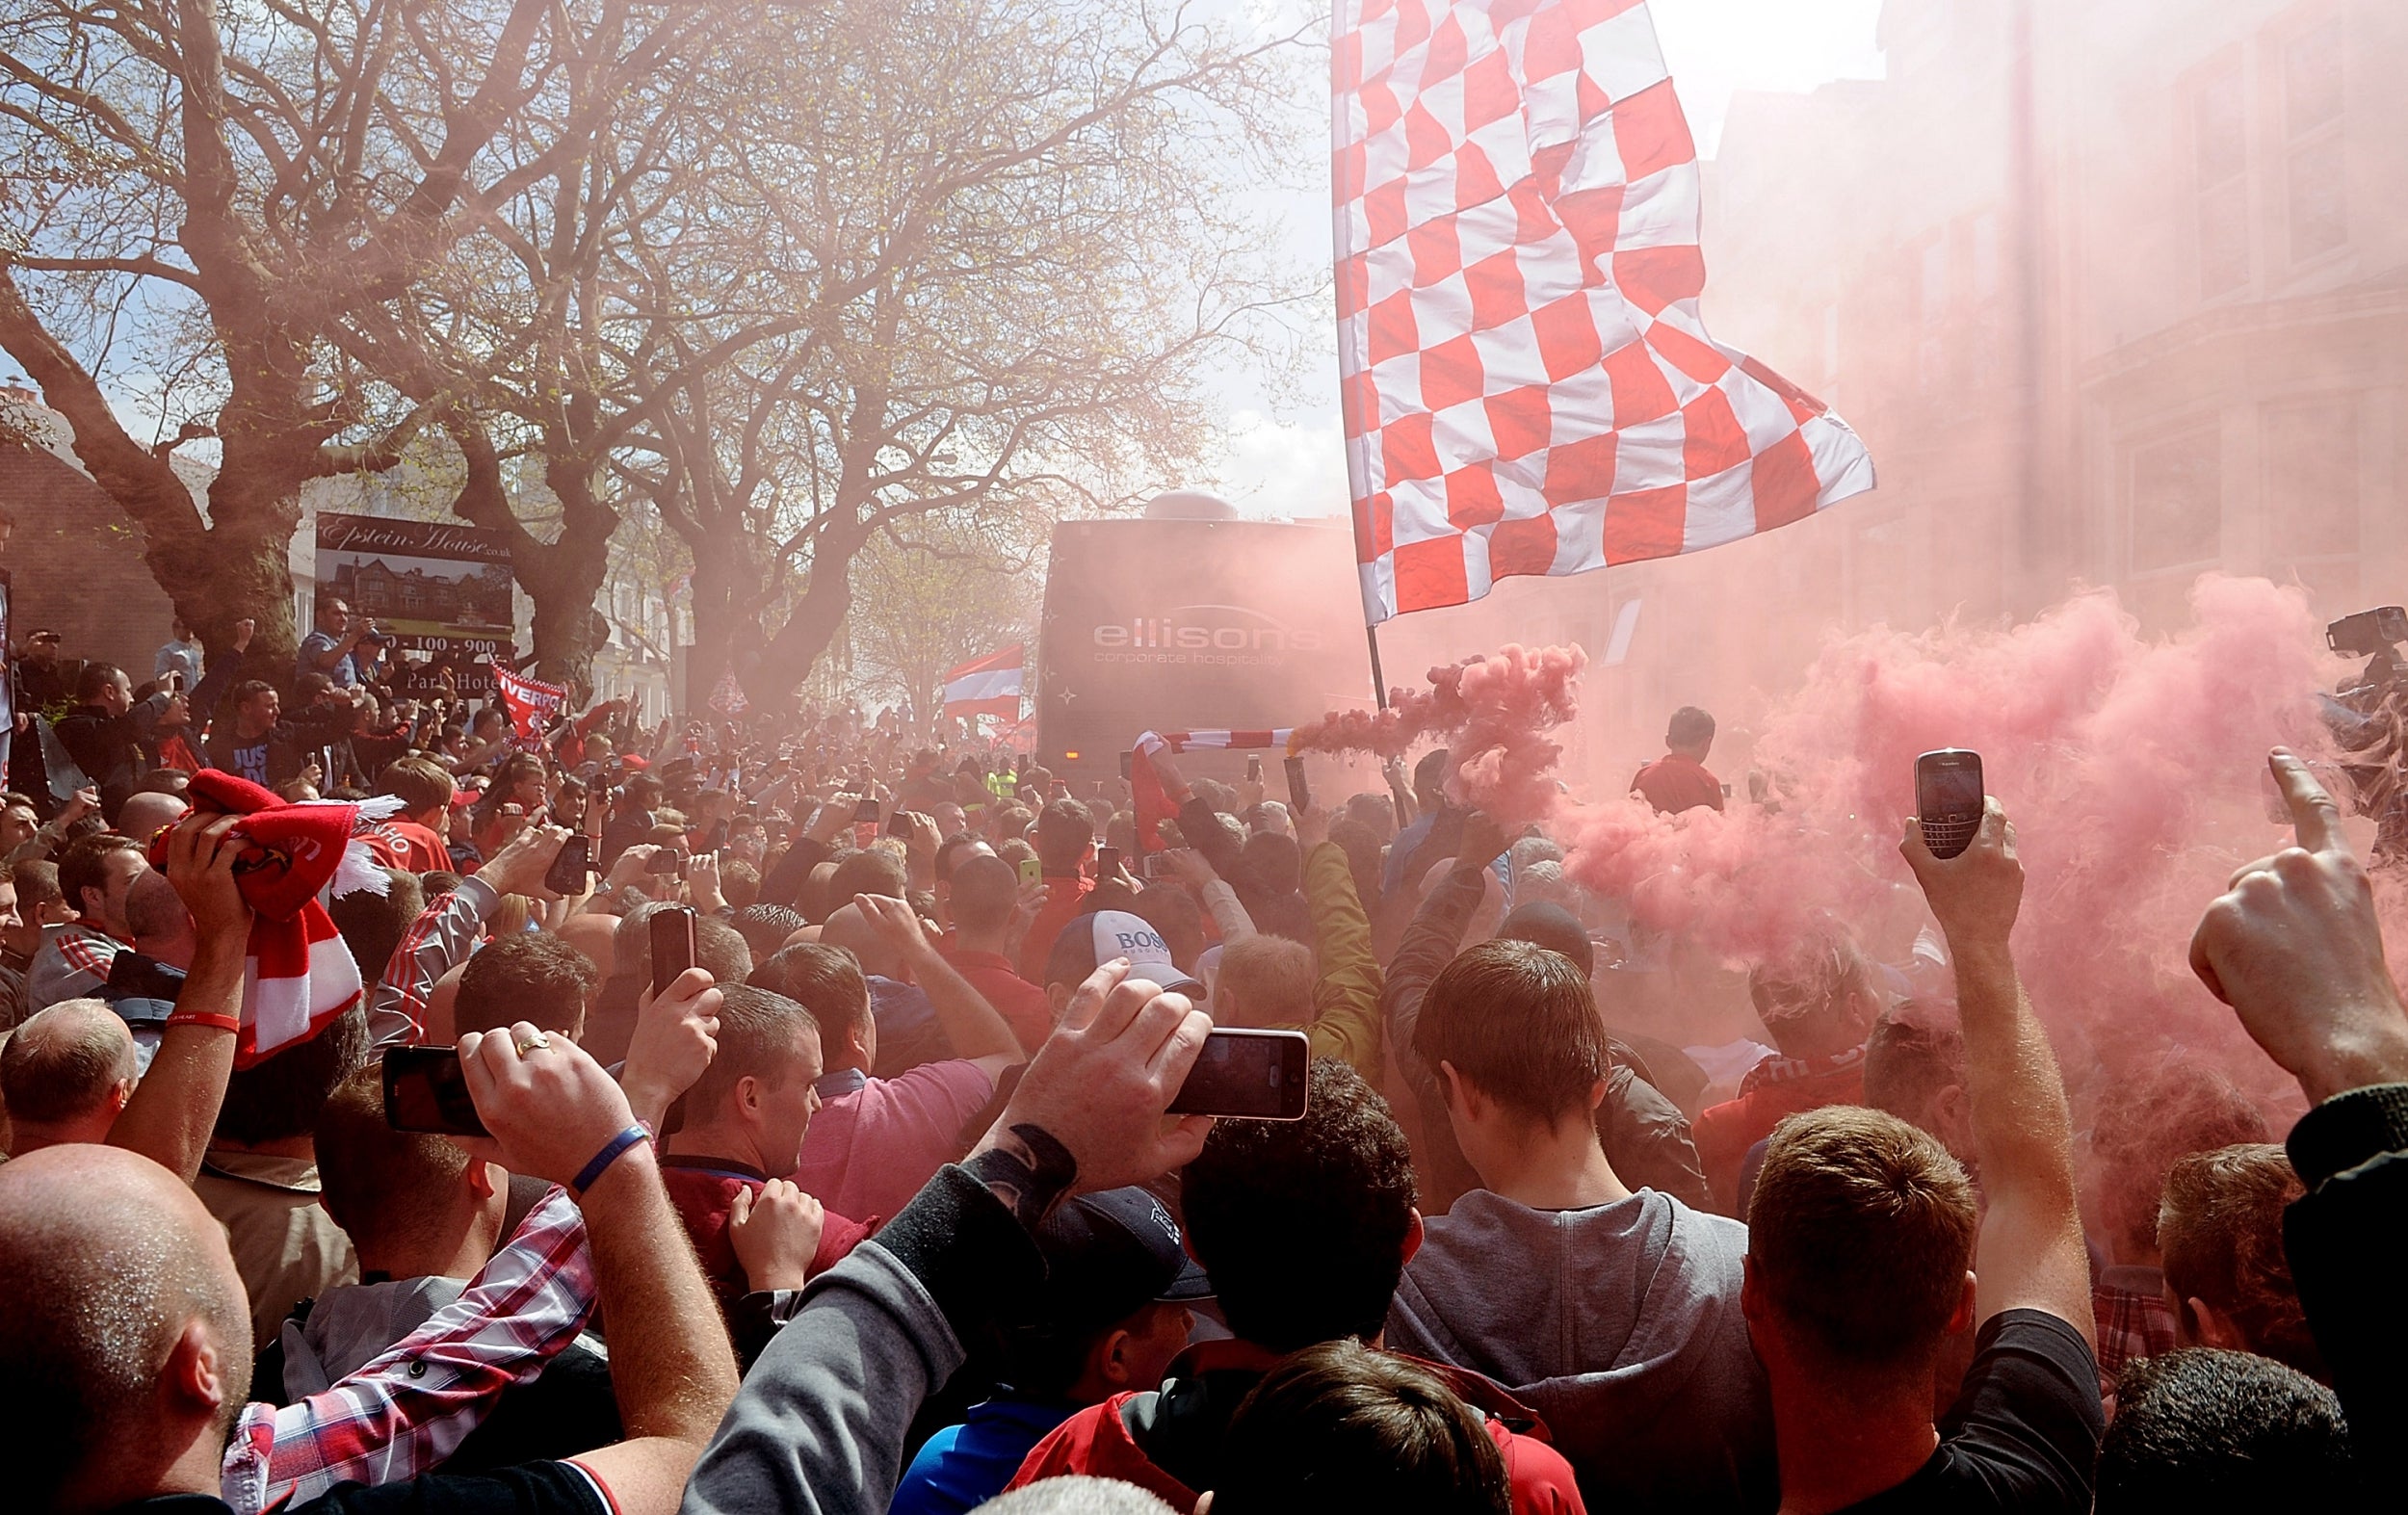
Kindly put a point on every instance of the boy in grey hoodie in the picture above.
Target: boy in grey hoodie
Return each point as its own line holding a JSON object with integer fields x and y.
{"x": 1616, "y": 1316}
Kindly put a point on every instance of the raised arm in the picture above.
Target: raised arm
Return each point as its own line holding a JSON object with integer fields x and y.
{"x": 2030, "y": 1254}
{"x": 2296, "y": 949}
{"x": 971, "y": 1024}
{"x": 175, "y": 1107}
{"x": 819, "y": 1425}
{"x": 557, "y": 1115}
{"x": 446, "y": 933}
{"x": 1346, "y": 998}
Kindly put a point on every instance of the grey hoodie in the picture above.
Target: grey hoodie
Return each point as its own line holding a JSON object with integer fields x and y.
{"x": 1618, "y": 1323}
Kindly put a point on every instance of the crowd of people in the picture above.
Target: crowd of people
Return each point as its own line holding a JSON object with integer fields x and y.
{"x": 878, "y": 1204}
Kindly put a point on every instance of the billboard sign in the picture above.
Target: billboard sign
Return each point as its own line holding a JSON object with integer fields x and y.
{"x": 434, "y": 586}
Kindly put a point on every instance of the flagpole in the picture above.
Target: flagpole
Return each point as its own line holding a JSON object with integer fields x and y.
{"x": 1379, "y": 681}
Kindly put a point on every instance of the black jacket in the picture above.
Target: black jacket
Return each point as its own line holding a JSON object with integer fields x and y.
{"x": 2348, "y": 1239}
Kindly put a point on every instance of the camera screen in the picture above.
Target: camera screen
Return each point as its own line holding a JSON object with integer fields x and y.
{"x": 1241, "y": 1075}
{"x": 425, "y": 1090}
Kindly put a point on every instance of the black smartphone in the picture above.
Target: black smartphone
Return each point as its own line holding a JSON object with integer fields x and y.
{"x": 1254, "y": 768}
{"x": 1128, "y": 764}
{"x": 132, "y": 976}
{"x": 865, "y": 811}
{"x": 1299, "y": 793}
{"x": 1949, "y": 797}
{"x": 425, "y": 1090}
{"x": 1108, "y": 862}
{"x": 672, "y": 945}
{"x": 568, "y": 873}
{"x": 896, "y": 825}
{"x": 1247, "y": 1075}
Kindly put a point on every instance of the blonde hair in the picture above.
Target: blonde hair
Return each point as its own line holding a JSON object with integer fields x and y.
{"x": 1269, "y": 977}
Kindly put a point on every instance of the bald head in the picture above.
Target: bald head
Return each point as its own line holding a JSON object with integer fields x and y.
{"x": 161, "y": 928}
{"x": 66, "y": 1073}
{"x": 850, "y": 929}
{"x": 125, "y": 1350}
{"x": 145, "y": 815}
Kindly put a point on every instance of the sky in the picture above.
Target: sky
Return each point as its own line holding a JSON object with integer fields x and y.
{"x": 1286, "y": 458}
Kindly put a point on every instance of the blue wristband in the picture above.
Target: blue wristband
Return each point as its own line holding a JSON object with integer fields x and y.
{"x": 603, "y": 1159}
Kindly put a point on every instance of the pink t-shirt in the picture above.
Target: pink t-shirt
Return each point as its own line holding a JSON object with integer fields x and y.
{"x": 868, "y": 1152}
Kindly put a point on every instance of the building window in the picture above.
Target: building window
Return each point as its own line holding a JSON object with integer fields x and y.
{"x": 2178, "y": 504}
{"x": 2220, "y": 139}
{"x": 2315, "y": 166}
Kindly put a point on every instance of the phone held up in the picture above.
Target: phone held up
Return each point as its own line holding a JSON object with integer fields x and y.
{"x": 1299, "y": 793}
{"x": 1248, "y": 1074}
{"x": 425, "y": 1090}
{"x": 566, "y": 876}
{"x": 1949, "y": 799}
{"x": 672, "y": 945}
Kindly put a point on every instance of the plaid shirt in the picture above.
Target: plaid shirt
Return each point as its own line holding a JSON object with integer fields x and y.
{"x": 404, "y": 1413}
{"x": 439, "y": 940}
{"x": 2131, "y": 1323}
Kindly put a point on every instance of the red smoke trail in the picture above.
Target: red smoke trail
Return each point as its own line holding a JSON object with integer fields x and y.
{"x": 1495, "y": 711}
{"x": 2132, "y": 771}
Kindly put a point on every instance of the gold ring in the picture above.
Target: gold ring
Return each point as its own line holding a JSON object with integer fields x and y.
{"x": 527, "y": 1044}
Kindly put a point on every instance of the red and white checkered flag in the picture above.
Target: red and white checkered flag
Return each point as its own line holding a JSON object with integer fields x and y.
{"x": 1527, "y": 385}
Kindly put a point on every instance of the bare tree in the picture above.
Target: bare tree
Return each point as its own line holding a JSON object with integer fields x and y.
{"x": 930, "y": 597}
{"x": 1016, "y": 237}
{"x": 210, "y": 194}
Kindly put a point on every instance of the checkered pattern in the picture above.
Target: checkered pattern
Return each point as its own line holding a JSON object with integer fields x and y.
{"x": 404, "y": 1413}
{"x": 1526, "y": 382}
{"x": 988, "y": 686}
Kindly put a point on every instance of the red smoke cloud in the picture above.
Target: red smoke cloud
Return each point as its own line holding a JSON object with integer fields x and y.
{"x": 1495, "y": 713}
{"x": 2131, "y": 768}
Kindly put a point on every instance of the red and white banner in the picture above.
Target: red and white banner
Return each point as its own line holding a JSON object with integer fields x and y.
{"x": 1153, "y": 807}
{"x": 1525, "y": 383}
{"x": 532, "y": 704}
{"x": 988, "y": 686}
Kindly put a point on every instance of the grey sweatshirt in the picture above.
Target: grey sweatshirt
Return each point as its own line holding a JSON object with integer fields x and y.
{"x": 1621, "y": 1325}
{"x": 818, "y": 1426}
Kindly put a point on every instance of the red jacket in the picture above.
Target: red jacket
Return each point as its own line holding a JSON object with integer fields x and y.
{"x": 702, "y": 1189}
{"x": 1099, "y": 1440}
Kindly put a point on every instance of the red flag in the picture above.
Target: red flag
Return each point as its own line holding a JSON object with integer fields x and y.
{"x": 988, "y": 686}
{"x": 531, "y": 704}
{"x": 1525, "y": 383}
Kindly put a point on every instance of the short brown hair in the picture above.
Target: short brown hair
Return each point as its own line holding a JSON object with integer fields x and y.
{"x": 86, "y": 865}
{"x": 36, "y": 884}
{"x": 380, "y": 1184}
{"x": 419, "y": 783}
{"x": 756, "y": 1040}
{"x": 1861, "y": 1230}
{"x": 2153, "y": 1123}
{"x": 1517, "y": 1020}
{"x": 2221, "y": 1231}
{"x": 524, "y": 976}
{"x": 1269, "y": 979}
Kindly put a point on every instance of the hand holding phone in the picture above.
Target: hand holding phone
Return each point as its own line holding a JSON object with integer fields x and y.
{"x": 572, "y": 869}
{"x": 1299, "y": 793}
{"x": 426, "y": 1090}
{"x": 1948, "y": 799}
{"x": 672, "y": 945}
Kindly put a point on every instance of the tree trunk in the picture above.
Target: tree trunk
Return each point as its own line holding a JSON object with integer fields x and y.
{"x": 826, "y": 597}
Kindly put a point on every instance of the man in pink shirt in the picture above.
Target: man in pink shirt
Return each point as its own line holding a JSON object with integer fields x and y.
{"x": 1065, "y": 840}
{"x": 874, "y": 1141}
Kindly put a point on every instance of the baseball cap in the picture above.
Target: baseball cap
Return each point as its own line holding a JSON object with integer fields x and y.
{"x": 1088, "y": 941}
{"x": 1110, "y": 1254}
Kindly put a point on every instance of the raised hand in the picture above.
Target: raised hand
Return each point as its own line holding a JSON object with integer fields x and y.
{"x": 1973, "y": 896}
{"x": 2293, "y": 947}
